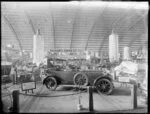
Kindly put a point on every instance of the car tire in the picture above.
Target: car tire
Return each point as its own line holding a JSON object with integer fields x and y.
{"x": 80, "y": 79}
{"x": 51, "y": 83}
{"x": 104, "y": 86}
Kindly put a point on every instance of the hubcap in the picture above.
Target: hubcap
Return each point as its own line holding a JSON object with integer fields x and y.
{"x": 51, "y": 83}
{"x": 103, "y": 86}
{"x": 81, "y": 80}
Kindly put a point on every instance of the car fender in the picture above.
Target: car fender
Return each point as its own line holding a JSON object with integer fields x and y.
{"x": 44, "y": 81}
{"x": 56, "y": 77}
{"x": 105, "y": 76}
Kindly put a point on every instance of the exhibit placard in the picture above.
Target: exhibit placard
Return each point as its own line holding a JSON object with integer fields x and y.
{"x": 123, "y": 79}
{"x": 28, "y": 86}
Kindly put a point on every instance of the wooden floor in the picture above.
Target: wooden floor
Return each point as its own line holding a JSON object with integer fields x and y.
{"x": 65, "y": 99}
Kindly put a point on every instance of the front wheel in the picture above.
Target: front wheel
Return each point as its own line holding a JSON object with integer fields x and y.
{"x": 104, "y": 86}
{"x": 51, "y": 83}
{"x": 80, "y": 79}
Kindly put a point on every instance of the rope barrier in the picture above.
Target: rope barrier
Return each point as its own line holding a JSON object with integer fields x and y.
{"x": 6, "y": 95}
{"x": 38, "y": 95}
{"x": 8, "y": 86}
{"x": 142, "y": 89}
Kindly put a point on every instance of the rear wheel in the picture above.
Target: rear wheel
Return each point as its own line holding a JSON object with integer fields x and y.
{"x": 104, "y": 86}
{"x": 80, "y": 79}
{"x": 51, "y": 83}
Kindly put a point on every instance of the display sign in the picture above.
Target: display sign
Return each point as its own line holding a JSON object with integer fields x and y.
{"x": 66, "y": 50}
{"x": 123, "y": 79}
{"x": 28, "y": 86}
{"x": 67, "y": 54}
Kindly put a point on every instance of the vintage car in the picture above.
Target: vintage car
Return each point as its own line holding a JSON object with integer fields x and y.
{"x": 67, "y": 74}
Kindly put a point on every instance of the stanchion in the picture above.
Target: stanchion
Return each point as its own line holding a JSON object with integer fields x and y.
{"x": 14, "y": 82}
{"x": 15, "y": 95}
{"x": 90, "y": 98}
{"x": 134, "y": 96}
{"x": 16, "y": 76}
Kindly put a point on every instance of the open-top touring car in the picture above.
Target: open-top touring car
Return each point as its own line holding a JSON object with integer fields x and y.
{"x": 58, "y": 72}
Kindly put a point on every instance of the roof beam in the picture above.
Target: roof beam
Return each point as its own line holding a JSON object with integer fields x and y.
{"x": 30, "y": 22}
{"x": 95, "y": 23}
{"x": 134, "y": 39}
{"x": 104, "y": 39}
{"x": 124, "y": 15}
{"x": 113, "y": 26}
{"x": 133, "y": 25}
{"x": 146, "y": 22}
{"x": 145, "y": 44}
{"x": 114, "y": 23}
{"x": 129, "y": 29}
{"x": 13, "y": 30}
{"x": 73, "y": 28}
{"x": 137, "y": 37}
{"x": 53, "y": 25}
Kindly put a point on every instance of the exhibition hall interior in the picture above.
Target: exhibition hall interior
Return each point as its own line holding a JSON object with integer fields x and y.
{"x": 74, "y": 57}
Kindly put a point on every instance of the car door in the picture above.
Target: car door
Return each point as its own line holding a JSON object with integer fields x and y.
{"x": 66, "y": 76}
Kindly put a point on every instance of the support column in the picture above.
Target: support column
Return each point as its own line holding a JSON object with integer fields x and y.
{"x": 15, "y": 95}
{"x": 90, "y": 98}
{"x": 134, "y": 96}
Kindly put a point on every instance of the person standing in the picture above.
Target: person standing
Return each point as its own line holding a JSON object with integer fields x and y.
{"x": 13, "y": 74}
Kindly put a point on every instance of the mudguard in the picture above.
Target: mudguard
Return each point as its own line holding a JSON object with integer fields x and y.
{"x": 56, "y": 77}
{"x": 108, "y": 76}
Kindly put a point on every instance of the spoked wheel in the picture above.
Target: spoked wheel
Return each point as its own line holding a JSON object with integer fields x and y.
{"x": 80, "y": 79}
{"x": 51, "y": 83}
{"x": 104, "y": 86}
